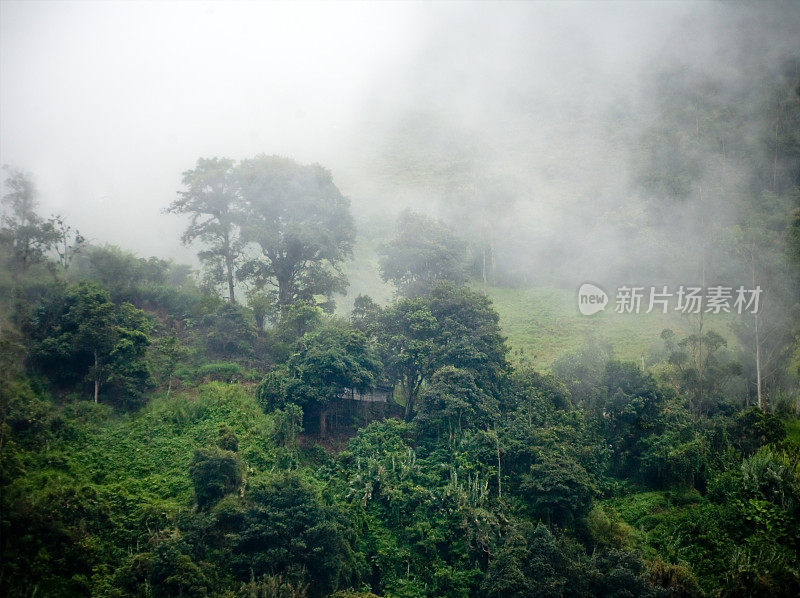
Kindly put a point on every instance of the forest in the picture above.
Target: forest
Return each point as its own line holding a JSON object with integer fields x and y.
{"x": 333, "y": 400}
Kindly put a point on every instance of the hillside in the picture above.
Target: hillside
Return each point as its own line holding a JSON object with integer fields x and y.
{"x": 542, "y": 324}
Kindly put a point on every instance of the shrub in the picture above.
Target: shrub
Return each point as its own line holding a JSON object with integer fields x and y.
{"x": 215, "y": 473}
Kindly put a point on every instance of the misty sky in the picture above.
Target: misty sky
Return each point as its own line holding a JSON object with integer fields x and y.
{"x": 106, "y": 103}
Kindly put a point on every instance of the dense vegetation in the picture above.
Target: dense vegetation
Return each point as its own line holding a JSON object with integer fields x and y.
{"x": 162, "y": 435}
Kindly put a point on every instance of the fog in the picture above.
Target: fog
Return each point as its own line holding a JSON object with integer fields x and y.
{"x": 518, "y": 121}
{"x": 106, "y": 104}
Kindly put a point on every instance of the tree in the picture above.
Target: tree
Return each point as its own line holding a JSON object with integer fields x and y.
{"x": 288, "y": 426}
{"x": 754, "y": 428}
{"x": 629, "y": 406}
{"x": 558, "y": 488}
{"x": 24, "y": 232}
{"x": 762, "y": 241}
{"x": 302, "y": 225}
{"x": 449, "y": 326}
{"x": 264, "y": 308}
{"x": 408, "y": 342}
{"x": 67, "y": 242}
{"x": 230, "y": 331}
{"x": 452, "y": 402}
{"x": 423, "y": 252}
{"x": 366, "y": 314}
{"x": 83, "y": 335}
{"x": 700, "y": 366}
{"x": 287, "y": 529}
{"x": 168, "y": 353}
{"x": 215, "y": 472}
{"x": 212, "y": 199}
{"x": 582, "y": 370}
{"x": 531, "y": 562}
{"x": 331, "y": 361}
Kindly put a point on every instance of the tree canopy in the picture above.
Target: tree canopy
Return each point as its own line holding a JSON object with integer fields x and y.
{"x": 301, "y": 225}
{"x": 212, "y": 200}
{"x": 422, "y": 253}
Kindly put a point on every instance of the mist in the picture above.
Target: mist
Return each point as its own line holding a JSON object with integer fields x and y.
{"x": 518, "y": 124}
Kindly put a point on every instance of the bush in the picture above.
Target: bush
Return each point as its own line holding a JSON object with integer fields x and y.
{"x": 219, "y": 371}
{"x": 607, "y": 529}
{"x": 215, "y": 473}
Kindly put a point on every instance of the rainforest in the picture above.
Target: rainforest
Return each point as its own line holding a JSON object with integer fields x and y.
{"x": 400, "y": 300}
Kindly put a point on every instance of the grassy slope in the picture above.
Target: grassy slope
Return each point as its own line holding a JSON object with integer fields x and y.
{"x": 544, "y": 323}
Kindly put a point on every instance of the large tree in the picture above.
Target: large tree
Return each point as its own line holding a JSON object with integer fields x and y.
{"x": 422, "y": 253}
{"x": 212, "y": 200}
{"x": 330, "y": 362}
{"x": 450, "y": 326}
{"x": 302, "y": 225}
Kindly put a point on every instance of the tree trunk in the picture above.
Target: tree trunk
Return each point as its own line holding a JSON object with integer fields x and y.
{"x": 758, "y": 367}
{"x": 493, "y": 260}
{"x": 323, "y": 428}
{"x": 700, "y": 365}
{"x": 284, "y": 291}
{"x": 96, "y": 378}
{"x": 229, "y": 268}
{"x": 757, "y": 331}
{"x": 409, "y": 405}
{"x": 499, "y": 486}
{"x": 231, "y": 294}
{"x": 483, "y": 270}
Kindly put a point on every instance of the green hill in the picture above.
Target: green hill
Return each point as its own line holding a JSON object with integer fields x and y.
{"x": 543, "y": 323}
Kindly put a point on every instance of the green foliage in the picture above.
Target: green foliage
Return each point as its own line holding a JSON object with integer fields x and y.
{"x": 215, "y": 472}
{"x": 582, "y": 371}
{"x": 211, "y": 199}
{"x": 774, "y": 475}
{"x": 231, "y": 333}
{"x": 558, "y": 489}
{"x": 81, "y": 336}
{"x": 227, "y": 441}
{"x": 271, "y": 392}
{"x": 452, "y": 402}
{"x": 288, "y": 529}
{"x": 607, "y": 529}
{"x": 677, "y": 580}
{"x": 151, "y": 284}
{"x": 423, "y": 253}
{"x": 165, "y": 356}
{"x": 506, "y": 481}
{"x": 532, "y": 561}
{"x": 275, "y": 586}
{"x": 220, "y": 371}
{"x": 288, "y": 425}
{"x": 450, "y": 326}
{"x": 330, "y": 362}
{"x": 301, "y": 224}
{"x": 24, "y": 234}
{"x": 265, "y": 308}
{"x": 701, "y": 369}
{"x": 755, "y": 428}
{"x": 678, "y": 457}
{"x": 297, "y": 320}
{"x": 628, "y": 407}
